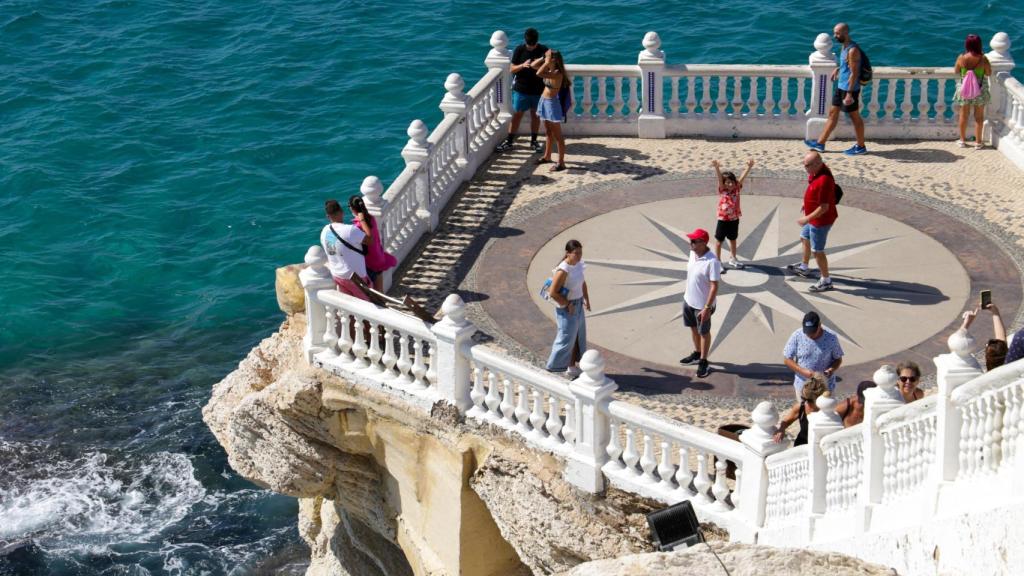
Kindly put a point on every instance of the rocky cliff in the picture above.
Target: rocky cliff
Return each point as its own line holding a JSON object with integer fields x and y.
{"x": 388, "y": 489}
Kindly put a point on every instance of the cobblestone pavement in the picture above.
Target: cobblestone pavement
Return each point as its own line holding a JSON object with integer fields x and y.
{"x": 980, "y": 187}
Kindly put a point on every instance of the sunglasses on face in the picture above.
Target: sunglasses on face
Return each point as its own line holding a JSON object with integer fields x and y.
{"x": 908, "y": 378}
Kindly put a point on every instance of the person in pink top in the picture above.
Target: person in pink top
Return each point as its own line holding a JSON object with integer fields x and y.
{"x": 729, "y": 210}
{"x": 377, "y": 260}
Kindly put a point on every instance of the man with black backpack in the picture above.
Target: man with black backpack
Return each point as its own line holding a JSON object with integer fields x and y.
{"x": 345, "y": 246}
{"x": 854, "y": 69}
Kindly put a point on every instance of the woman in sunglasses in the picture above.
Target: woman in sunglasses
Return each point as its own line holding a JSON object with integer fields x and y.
{"x": 910, "y": 375}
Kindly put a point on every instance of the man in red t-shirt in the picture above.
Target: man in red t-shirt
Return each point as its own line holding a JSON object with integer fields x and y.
{"x": 819, "y": 215}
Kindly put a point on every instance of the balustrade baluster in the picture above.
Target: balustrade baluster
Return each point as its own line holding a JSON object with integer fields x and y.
{"x": 769, "y": 95}
{"x": 588, "y": 102}
{"x": 738, "y": 488}
{"x": 630, "y": 456}
{"x": 922, "y": 101}
{"x": 720, "y": 488}
{"x": 1013, "y": 427}
{"x": 522, "y": 410}
{"x": 890, "y": 99}
{"x": 554, "y": 421}
{"x": 907, "y": 105}
{"x": 888, "y": 465}
{"x": 702, "y": 482}
{"x": 344, "y": 338}
{"x": 996, "y": 408}
{"x": 330, "y": 334}
{"x": 673, "y": 103}
{"x": 633, "y": 109}
{"x": 986, "y": 440}
{"x": 602, "y": 98}
{"x": 647, "y": 461}
{"x": 493, "y": 400}
{"x": 737, "y": 96}
{"x": 537, "y": 417}
{"x": 389, "y": 358}
{"x": 920, "y": 452}
{"x": 977, "y": 436}
{"x": 508, "y": 406}
{"x": 614, "y": 449}
{"x": 569, "y": 430}
{"x": 428, "y": 354}
{"x": 722, "y": 102}
{"x": 965, "y": 441}
{"x": 617, "y": 102}
{"x": 404, "y": 364}
{"x": 419, "y": 368}
{"x": 374, "y": 354}
{"x": 691, "y": 95}
{"x": 477, "y": 394}
{"x": 753, "y": 100}
{"x": 359, "y": 346}
{"x": 784, "y": 103}
{"x": 801, "y": 97}
{"x": 665, "y": 467}
{"x": 683, "y": 473}
{"x": 940, "y": 99}
{"x": 706, "y": 101}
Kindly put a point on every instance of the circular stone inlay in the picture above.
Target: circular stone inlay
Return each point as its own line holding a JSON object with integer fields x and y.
{"x": 895, "y": 286}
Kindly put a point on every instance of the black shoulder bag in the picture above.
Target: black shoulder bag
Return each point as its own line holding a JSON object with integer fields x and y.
{"x": 361, "y": 251}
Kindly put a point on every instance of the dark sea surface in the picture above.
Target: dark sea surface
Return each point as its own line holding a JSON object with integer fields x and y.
{"x": 159, "y": 159}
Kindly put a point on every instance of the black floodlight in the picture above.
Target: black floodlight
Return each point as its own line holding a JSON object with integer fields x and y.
{"x": 675, "y": 527}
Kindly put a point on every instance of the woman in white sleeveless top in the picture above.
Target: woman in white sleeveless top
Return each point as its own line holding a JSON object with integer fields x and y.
{"x": 569, "y": 291}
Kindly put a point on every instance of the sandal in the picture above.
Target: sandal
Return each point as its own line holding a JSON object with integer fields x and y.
{"x": 557, "y": 167}
{"x": 542, "y": 161}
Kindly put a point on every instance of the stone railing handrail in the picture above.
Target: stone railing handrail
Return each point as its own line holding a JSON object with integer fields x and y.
{"x": 846, "y": 435}
{"x": 680, "y": 432}
{"x": 1014, "y": 87}
{"x": 923, "y": 408}
{"x": 516, "y": 368}
{"x": 372, "y": 312}
{"x": 794, "y": 454}
{"x": 1003, "y": 376}
{"x": 489, "y": 79}
{"x": 914, "y": 72}
{"x": 777, "y": 70}
{"x": 603, "y": 70}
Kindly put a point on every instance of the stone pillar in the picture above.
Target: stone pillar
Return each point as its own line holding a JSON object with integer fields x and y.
{"x": 457, "y": 102}
{"x": 1002, "y": 61}
{"x": 592, "y": 391}
{"x": 315, "y": 277}
{"x": 453, "y": 333}
{"x": 501, "y": 57}
{"x": 952, "y": 371}
{"x": 884, "y": 398}
{"x": 825, "y": 421}
{"x": 651, "y": 123}
{"x": 821, "y": 62}
{"x": 417, "y": 156}
{"x": 760, "y": 444}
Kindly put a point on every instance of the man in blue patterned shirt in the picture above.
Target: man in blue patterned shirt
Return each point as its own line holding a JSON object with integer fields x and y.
{"x": 813, "y": 349}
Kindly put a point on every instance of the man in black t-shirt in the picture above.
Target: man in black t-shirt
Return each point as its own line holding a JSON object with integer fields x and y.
{"x": 526, "y": 88}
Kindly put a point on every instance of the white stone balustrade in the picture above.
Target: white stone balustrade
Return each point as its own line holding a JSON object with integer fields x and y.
{"x": 820, "y": 424}
{"x": 844, "y": 464}
{"x": 789, "y": 487}
{"x": 991, "y": 413}
{"x": 909, "y": 439}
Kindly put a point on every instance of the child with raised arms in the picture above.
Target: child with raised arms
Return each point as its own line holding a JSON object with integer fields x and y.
{"x": 729, "y": 210}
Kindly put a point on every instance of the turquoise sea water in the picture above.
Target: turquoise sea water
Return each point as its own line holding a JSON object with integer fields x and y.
{"x": 159, "y": 159}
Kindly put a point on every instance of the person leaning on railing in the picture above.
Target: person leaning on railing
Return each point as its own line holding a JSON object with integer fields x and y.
{"x": 999, "y": 349}
{"x": 815, "y": 387}
{"x": 909, "y": 374}
{"x": 851, "y": 410}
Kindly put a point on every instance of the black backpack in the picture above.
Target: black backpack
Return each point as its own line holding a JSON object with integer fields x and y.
{"x": 839, "y": 193}
{"x": 866, "y": 72}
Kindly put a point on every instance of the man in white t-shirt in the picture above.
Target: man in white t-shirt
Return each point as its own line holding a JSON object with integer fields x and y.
{"x": 345, "y": 246}
{"x": 702, "y": 275}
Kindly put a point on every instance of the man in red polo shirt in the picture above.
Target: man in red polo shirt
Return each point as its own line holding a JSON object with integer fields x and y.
{"x": 819, "y": 215}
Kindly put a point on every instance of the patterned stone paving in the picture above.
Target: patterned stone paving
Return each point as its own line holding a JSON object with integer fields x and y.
{"x": 979, "y": 188}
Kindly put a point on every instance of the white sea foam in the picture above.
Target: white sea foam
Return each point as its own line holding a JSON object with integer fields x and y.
{"x": 95, "y": 500}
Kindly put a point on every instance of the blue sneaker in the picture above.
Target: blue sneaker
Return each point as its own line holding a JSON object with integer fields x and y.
{"x": 856, "y": 150}
{"x": 814, "y": 145}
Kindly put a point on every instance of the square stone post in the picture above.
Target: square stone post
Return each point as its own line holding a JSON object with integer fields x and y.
{"x": 315, "y": 277}
{"x": 453, "y": 333}
{"x": 651, "y": 123}
{"x": 501, "y": 57}
{"x": 883, "y": 398}
{"x": 592, "y": 391}
{"x": 821, "y": 63}
{"x": 760, "y": 445}
{"x": 416, "y": 154}
{"x": 1001, "y": 61}
{"x": 456, "y": 102}
{"x": 820, "y": 424}
{"x": 951, "y": 371}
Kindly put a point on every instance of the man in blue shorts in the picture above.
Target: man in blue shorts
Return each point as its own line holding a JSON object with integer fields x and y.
{"x": 526, "y": 88}
{"x": 819, "y": 215}
{"x": 846, "y": 97}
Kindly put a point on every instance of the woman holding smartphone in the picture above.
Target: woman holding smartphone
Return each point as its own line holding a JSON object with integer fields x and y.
{"x": 552, "y": 72}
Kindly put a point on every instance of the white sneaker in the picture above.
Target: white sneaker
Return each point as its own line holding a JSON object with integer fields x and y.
{"x": 961, "y": 143}
{"x": 734, "y": 263}
{"x": 573, "y": 372}
{"x": 822, "y": 285}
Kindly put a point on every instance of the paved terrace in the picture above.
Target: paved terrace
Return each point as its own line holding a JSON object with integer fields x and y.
{"x": 923, "y": 226}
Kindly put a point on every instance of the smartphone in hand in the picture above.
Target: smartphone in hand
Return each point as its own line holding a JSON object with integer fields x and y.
{"x": 986, "y": 299}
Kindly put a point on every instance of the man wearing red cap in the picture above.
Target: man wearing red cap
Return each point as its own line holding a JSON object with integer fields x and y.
{"x": 702, "y": 275}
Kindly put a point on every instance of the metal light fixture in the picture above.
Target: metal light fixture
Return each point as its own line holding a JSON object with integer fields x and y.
{"x": 675, "y": 527}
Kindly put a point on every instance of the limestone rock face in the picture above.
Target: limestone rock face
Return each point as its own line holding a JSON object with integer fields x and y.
{"x": 290, "y": 296}
{"x": 740, "y": 559}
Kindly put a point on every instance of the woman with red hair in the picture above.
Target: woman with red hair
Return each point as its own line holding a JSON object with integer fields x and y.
{"x": 972, "y": 92}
